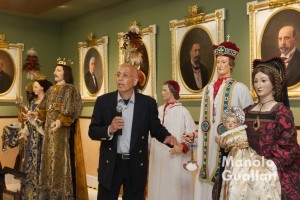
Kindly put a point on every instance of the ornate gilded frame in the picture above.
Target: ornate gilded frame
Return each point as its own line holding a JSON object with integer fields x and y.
{"x": 11, "y": 54}
{"x": 210, "y": 26}
{"x": 148, "y": 35}
{"x": 265, "y": 19}
{"x": 93, "y": 47}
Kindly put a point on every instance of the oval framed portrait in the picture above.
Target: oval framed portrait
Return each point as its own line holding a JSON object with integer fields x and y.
{"x": 281, "y": 38}
{"x": 196, "y": 59}
{"x": 7, "y": 72}
{"x": 193, "y": 62}
{"x": 93, "y": 72}
{"x": 93, "y": 67}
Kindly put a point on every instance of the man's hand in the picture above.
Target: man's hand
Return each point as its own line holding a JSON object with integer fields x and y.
{"x": 171, "y": 140}
{"x": 116, "y": 124}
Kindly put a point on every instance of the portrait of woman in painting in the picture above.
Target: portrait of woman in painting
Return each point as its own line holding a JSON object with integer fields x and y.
{"x": 196, "y": 59}
{"x": 281, "y": 37}
{"x": 7, "y": 71}
{"x": 93, "y": 76}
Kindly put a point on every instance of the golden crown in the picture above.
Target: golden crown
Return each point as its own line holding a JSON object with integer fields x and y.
{"x": 63, "y": 61}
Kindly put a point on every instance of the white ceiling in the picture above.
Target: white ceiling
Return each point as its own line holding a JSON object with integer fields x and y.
{"x": 54, "y": 10}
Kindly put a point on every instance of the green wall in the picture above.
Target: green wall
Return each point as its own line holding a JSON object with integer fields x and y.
{"x": 61, "y": 39}
{"x": 43, "y": 36}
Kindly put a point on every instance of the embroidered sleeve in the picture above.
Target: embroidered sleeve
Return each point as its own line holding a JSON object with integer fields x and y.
{"x": 285, "y": 147}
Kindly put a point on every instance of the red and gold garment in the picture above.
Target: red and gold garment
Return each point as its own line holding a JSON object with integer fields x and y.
{"x": 276, "y": 139}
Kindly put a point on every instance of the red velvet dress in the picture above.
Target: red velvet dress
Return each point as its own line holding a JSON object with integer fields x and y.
{"x": 276, "y": 139}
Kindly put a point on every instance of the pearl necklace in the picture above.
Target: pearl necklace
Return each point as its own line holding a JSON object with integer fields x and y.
{"x": 256, "y": 123}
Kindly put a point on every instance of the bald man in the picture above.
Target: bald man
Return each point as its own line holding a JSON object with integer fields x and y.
{"x": 287, "y": 39}
{"x": 124, "y": 157}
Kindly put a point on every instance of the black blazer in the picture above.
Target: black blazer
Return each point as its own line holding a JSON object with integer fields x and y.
{"x": 188, "y": 75}
{"x": 293, "y": 70}
{"x": 89, "y": 82}
{"x": 145, "y": 119}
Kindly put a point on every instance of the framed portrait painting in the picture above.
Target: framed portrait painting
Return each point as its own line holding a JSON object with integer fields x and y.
{"x": 148, "y": 58}
{"x": 192, "y": 53}
{"x": 274, "y": 32}
{"x": 10, "y": 70}
{"x": 93, "y": 67}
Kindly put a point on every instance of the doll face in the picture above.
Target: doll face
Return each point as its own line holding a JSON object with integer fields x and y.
{"x": 262, "y": 85}
{"x": 59, "y": 74}
{"x": 37, "y": 88}
{"x": 223, "y": 67}
{"x": 231, "y": 123}
{"x": 167, "y": 94}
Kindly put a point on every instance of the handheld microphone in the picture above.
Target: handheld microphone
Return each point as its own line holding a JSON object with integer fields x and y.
{"x": 119, "y": 113}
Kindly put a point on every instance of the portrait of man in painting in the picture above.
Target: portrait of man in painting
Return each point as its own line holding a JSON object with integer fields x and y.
{"x": 281, "y": 37}
{"x": 93, "y": 76}
{"x": 196, "y": 59}
{"x": 7, "y": 71}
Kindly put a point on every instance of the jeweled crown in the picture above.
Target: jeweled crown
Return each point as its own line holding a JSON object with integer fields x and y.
{"x": 63, "y": 61}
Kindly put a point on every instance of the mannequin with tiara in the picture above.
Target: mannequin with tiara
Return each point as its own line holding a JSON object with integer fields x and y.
{"x": 222, "y": 92}
{"x": 271, "y": 129}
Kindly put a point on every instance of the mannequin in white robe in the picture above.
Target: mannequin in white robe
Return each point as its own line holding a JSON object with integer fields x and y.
{"x": 168, "y": 180}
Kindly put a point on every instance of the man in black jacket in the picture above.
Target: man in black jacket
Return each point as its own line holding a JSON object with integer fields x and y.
{"x": 90, "y": 78}
{"x": 124, "y": 156}
{"x": 287, "y": 38}
{"x": 194, "y": 73}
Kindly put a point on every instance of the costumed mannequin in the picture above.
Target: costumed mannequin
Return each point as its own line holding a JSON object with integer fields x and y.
{"x": 23, "y": 108}
{"x": 270, "y": 124}
{"x": 247, "y": 175}
{"x": 59, "y": 109}
{"x": 33, "y": 135}
{"x": 221, "y": 93}
{"x": 166, "y": 172}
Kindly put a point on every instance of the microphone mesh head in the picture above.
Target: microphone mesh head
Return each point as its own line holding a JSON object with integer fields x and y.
{"x": 119, "y": 108}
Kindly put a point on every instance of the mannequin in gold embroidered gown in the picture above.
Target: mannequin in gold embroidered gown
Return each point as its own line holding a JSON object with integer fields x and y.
{"x": 61, "y": 106}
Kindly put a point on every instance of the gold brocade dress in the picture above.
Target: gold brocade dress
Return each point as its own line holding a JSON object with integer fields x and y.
{"x": 62, "y": 102}
{"x": 247, "y": 175}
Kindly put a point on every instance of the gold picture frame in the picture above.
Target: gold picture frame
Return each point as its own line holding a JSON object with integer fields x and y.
{"x": 266, "y": 18}
{"x": 11, "y": 59}
{"x": 96, "y": 49}
{"x": 202, "y": 28}
{"x": 148, "y": 66}
{"x": 298, "y": 134}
